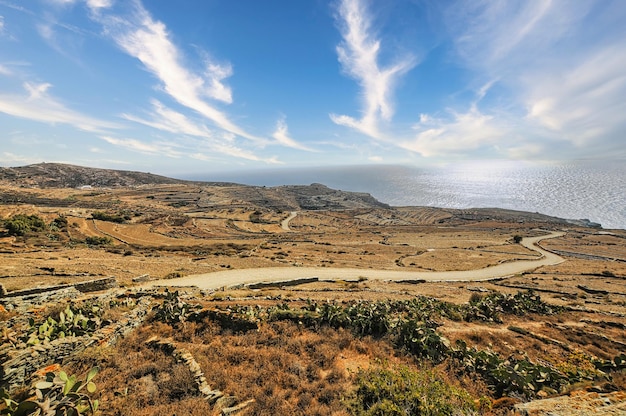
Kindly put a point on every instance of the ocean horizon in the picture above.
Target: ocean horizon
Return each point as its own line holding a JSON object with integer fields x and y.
{"x": 591, "y": 190}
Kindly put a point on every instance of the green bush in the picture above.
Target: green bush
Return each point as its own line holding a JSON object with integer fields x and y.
{"x": 103, "y": 216}
{"x": 21, "y": 224}
{"x": 72, "y": 321}
{"x": 402, "y": 391}
{"x": 59, "y": 223}
{"x": 56, "y": 395}
{"x": 98, "y": 241}
{"x": 173, "y": 309}
{"x": 490, "y": 307}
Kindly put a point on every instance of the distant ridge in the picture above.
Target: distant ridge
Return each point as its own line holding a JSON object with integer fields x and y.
{"x": 311, "y": 197}
{"x": 60, "y": 175}
{"x": 289, "y": 197}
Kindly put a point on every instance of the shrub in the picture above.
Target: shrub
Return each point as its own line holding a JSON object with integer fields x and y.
{"x": 21, "y": 224}
{"x": 72, "y": 321}
{"x": 98, "y": 241}
{"x": 59, "y": 223}
{"x": 103, "y": 216}
{"x": 402, "y": 391}
{"x": 173, "y": 309}
{"x": 255, "y": 217}
{"x": 422, "y": 340}
{"x": 56, "y": 395}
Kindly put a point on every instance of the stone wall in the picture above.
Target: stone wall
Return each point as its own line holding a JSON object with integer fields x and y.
{"x": 282, "y": 283}
{"x": 84, "y": 287}
{"x": 97, "y": 285}
{"x": 19, "y": 365}
{"x": 226, "y": 405}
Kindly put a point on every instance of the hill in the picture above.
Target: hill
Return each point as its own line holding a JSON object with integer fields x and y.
{"x": 339, "y": 298}
{"x": 59, "y": 175}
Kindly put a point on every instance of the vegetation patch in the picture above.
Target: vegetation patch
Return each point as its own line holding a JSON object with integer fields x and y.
{"x": 402, "y": 391}
{"x": 117, "y": 218}
{"x": 21, "y": 224}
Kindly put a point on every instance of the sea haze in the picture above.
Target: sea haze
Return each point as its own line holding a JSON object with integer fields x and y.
{"x": 573, "y": 190}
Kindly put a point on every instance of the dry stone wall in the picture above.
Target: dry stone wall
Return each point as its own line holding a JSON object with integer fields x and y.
{"x": 19, "y": 365}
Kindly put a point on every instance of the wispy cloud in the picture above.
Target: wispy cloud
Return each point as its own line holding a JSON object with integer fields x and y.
{"x": 495, "y": 35}
{"x": 211, "y": 146}
{"x": 359, "y": 58}
{"x": 560, "y": 63}
{"x": 281, "y": 134}
{"x": 40, "y": 106}
{"x": 99, "y": 4}
{"x": 155, "y": 148}
{"x": 5, "y": 71}
{"x": 583, "y": 103}
{"x": 166, "y": 119}
{"x": 460, "y": 134}
{"x": 14, "y": 6}
{"x": 208, "y": 153}
{"x": 148, "y": 40}
{"x": 11, "y": 159}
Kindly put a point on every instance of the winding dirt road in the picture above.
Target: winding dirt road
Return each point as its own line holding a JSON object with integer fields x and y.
{"x": 285, "y": 223}
{"x": 228, "y": 278}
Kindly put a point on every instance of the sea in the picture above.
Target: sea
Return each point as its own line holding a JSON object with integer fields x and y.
{"x": 592, "y": 190}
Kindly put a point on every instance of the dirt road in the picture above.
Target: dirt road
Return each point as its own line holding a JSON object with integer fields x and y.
{"x": 285, "y": 223}
{"x": 268, "y": 274}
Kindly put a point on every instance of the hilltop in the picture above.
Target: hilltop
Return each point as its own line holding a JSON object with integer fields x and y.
{"x": 59, "y": 175}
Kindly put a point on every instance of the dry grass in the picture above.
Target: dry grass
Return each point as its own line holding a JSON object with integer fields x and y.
{"x": 286, "y": 368}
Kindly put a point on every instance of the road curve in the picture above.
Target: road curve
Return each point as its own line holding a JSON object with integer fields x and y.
{"x": 228, "y": 278}
{"x": 285, "y": 223}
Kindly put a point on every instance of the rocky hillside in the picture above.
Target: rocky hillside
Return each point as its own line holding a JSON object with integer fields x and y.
{"x": 59, "y": 175}
{"x": 293, "y": 197}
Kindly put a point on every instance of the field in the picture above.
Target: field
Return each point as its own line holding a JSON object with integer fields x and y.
{"x": 323, "y": 347}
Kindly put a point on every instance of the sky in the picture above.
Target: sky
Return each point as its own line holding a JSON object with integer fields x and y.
{"x": 224, "y": 85}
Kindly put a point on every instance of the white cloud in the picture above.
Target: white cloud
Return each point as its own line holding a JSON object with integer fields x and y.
{"x": 149, "y": 41}
{"x": 155, "y": 148}
{"x": 61, "y": 2}
{"x": 230, "y": 150}
{"x": 99, "y": 4}
{"x": 11, "y": 159}
{"x": 526, "y": 151}
{"x": 45, "y": 31}
{"x": 40, "y": 106}
{"x": 560, "y": 65}
{"x": 585, "y": 102}
{"x": 5, "y": 71}
{"x": 166, "y": 119}
{"x": 281, "y": 134}
{"x": 490, "y": 34}
{"x": 359, "y": 56}
{"x": 215, "y": 74}
{"x": 464, "y": 133}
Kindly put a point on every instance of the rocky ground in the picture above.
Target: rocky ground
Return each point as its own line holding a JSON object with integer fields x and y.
{"x": 135, "y": 228}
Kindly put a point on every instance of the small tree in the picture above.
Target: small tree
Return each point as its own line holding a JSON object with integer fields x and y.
{"x": 517, "y": 239}
{"x": 21, "y": 224}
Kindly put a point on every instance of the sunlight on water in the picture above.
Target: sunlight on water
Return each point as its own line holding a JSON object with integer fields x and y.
{"x": 591, "y": 190}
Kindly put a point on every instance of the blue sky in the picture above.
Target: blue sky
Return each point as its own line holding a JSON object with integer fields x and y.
{"x": 218, "y": 85}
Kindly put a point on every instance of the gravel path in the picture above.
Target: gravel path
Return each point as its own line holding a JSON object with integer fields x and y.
{"x": 285, "y": 223}
{"x": 270, "y": 274}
